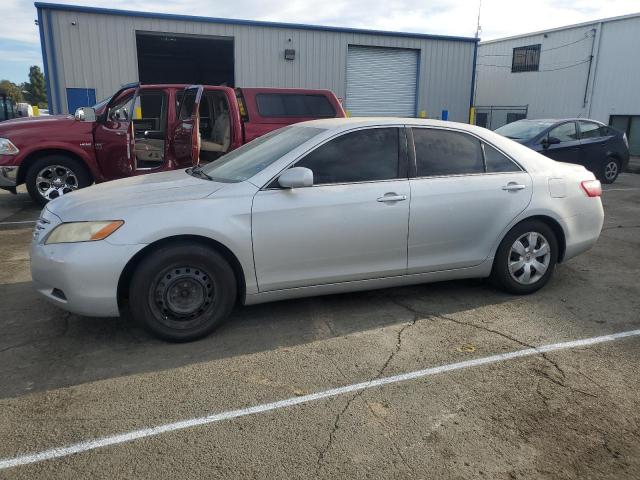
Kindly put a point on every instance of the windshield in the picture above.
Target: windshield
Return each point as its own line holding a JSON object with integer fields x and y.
{"x": 255, "y": 156}
{"x": 524, "y": 129}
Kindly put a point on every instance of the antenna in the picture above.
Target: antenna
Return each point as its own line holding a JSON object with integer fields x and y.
{"x": 478, "y": 27}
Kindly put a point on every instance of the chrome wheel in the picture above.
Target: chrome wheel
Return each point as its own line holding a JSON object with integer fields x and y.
{"x": 181, "y": 295}
{"x": 611, "y": 170}
{"x": 529, "y": 258}
{"x": 53, "y": 181}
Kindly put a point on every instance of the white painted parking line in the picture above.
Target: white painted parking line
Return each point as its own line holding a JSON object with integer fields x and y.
{"x": 618, "y": 189}
{"x": 290, "y": 402}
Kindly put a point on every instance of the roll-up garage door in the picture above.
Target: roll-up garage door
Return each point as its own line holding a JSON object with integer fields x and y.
{"x": 381, "y": 81}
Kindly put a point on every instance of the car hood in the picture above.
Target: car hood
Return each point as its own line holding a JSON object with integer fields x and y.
{"x": 24, "y": 131}
{"x": 106, "y": 201}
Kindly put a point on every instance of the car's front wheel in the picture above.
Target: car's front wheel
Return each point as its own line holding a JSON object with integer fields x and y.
{"x": 526, "y": 258}
{"x": 609, "y": 170}
{"x": 182, "y": 292}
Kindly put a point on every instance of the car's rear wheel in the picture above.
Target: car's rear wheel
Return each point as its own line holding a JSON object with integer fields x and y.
{"x": 526, "y": 258}
{"x": 182, "y": 292}
{"x": 54, "y": 176}
{"x": 609, "y": 170}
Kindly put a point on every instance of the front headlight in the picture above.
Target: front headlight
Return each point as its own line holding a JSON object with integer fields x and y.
{"x": 83, "y": 231}
{"x": 7, "y": 147}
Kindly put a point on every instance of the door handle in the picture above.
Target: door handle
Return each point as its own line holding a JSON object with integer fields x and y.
{"x": 392, "y": 197}
{"x": 513, "y": 187}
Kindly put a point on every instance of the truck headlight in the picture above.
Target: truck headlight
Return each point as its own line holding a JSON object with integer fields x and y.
{"x": 83, "y": 231}
{"x": 7, "y": 147}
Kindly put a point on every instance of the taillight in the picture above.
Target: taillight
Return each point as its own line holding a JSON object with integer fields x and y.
{"x": 592, "y": 188}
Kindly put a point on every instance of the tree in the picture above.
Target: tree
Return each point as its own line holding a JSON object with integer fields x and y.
{"x": 12, "y": 90}
{"x": 36, "y": 87}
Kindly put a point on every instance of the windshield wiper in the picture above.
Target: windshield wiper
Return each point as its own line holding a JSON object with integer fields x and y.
{"x": 198, "y": 172}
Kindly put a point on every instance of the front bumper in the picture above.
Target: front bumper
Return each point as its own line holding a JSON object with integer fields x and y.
{"x": 8, "y": 176}
{"x": 81, "y": 278}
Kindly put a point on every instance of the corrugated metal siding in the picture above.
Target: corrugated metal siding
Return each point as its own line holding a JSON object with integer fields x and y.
{"x": 616, "y": 87}
{"x": 381, "y": 81}
{"x": 100, "y": 52}
{"x": 558, "y": 90}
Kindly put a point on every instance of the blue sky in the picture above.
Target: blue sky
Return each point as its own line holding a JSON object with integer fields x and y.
{"x": 20, "y": 41}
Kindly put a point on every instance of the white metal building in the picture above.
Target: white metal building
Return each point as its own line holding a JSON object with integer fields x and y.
{"x": 587, "y": 70}
{"x": 89, "y": 52}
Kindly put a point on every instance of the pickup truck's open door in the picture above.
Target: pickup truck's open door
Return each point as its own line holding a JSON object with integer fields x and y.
{"x": 186, "y": 136}
{"x": 114, "y": 139}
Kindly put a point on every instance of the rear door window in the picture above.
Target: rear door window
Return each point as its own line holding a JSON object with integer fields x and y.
{"x": 592, "y": 130}
{"x": 294, "y": 105}
{"x": 441, "y": 152}
{"x": 497, "y": 162}
{"x": 361, "y": 156}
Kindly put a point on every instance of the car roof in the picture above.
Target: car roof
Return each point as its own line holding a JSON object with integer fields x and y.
{"x": 331, "y": 123}
{"x": 558, "y": 120}
{"x": 340, "y": 124}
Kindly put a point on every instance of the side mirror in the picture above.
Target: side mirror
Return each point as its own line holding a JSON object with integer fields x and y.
{"x": 296, "y": 177}
{"x": 549, "y": 141}
{"x": 85, "y": 114}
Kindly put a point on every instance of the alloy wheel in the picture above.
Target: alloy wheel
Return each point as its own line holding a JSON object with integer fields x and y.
{"x": 53, "y": 181}
{"x": 529, "y": 258}
{"x": 611, "y": 170}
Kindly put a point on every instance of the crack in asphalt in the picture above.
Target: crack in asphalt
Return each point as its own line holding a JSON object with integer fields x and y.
{"x": 560, "y": 382}
{"x": 611, "y": 227}
{"x": 65, "y": 329}
{"x": 479, "y": 327}
{"x": 393, "y": 444}
{"x": 336, "y": 423}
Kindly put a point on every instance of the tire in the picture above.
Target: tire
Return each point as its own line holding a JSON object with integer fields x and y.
{"x": 506, "y": 258}
{"x": 65, "y": 175}
{"x": 609, "y": 170}
{"x": 182, "y": 292}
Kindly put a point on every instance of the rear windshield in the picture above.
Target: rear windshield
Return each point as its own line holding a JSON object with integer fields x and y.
{"x": 294, "y": 105}
{"x": 524, "y": 129}
{"x": 253, "y": 157}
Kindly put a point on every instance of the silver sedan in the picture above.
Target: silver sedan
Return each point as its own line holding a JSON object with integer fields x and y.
{"x": 316, "y": 208}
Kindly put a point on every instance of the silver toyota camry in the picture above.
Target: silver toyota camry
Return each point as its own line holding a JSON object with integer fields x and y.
{"x": 320, "y": 207}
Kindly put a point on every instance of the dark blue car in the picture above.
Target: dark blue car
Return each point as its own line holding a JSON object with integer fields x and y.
{"x": 600, "y": 148}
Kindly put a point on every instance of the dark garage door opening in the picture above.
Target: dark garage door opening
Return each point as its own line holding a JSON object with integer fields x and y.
{"x": 171, "y": 58}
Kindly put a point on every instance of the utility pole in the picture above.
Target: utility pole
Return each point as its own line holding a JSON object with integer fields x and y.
{"x": 478, "y": 27}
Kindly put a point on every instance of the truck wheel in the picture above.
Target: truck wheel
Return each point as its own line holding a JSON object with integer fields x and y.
{"x": 182, "y": 291}
{"x": 55, "y": 175}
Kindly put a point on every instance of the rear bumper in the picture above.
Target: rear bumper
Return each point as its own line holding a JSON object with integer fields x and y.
{"x": 8, "y": 176}
{"x": 81, "y": 278}
{"x": 583, "y": 230}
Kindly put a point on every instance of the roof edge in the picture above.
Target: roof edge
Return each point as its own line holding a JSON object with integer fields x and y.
{"x": 565, "y": 27}
{"x": 257, "y": 23}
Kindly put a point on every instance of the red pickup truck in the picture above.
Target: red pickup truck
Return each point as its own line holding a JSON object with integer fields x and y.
{"x": 146, "y": 128}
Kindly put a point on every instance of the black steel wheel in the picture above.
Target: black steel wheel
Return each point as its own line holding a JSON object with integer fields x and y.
{"x": 182, "y": 292}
